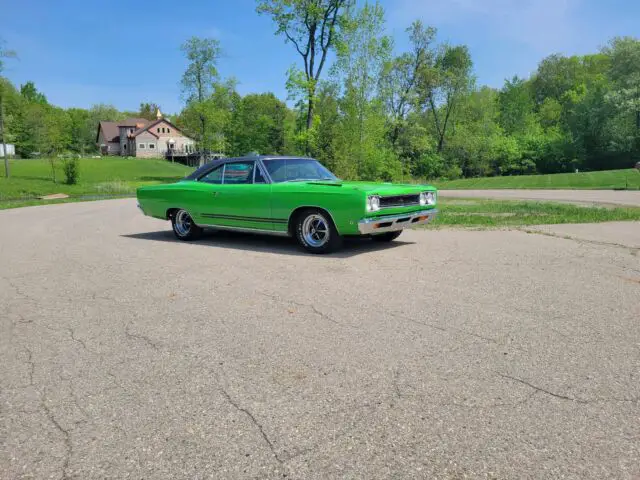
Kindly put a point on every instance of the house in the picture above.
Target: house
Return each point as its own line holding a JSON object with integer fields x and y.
{"x": 139, "y": 137}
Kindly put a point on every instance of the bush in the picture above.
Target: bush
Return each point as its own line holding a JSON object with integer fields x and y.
{"x": 71, "y": 172}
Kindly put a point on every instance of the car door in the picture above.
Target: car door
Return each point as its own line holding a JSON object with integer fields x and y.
{"x": 241, "y": 199}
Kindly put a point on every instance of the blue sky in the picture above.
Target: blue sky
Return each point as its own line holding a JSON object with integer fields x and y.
{"x": 81, "y": 52}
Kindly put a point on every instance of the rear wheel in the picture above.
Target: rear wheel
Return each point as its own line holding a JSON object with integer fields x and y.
{"x": 387, "y": 237}
{"x": 316, "y": 232}
{"x": 184, "y": 227}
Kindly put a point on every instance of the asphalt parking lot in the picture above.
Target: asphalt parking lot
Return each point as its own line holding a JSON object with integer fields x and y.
{"x": 448, "y": 354}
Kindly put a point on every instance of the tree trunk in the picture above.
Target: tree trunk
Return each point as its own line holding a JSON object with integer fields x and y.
{"x": 310, "y": 112}
{"x": 4, "y": 145}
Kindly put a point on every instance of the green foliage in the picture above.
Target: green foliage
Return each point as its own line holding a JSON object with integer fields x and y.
{"x": 379, "y": 114}
{"x": 71, "y": 171}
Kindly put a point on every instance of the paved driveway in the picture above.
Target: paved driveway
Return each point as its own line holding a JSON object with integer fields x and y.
{"x": 606, "y": 197}
{"x": 449, "y": 354}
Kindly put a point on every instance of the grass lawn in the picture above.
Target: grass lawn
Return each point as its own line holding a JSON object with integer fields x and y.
{"x": 609, "y": 179}
{"x": 499, "y": 213}
{"x": 105, "y": 176}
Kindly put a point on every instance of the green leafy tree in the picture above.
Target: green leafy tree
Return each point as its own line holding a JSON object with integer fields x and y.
{"x": 312, "y": 27}
{"x": 258, "y": 125}
{"x": 443, "y": 86}
{"x": 31, "y": 94}
{"x": 198, "y": 83}
{"x": 148, "y": 111}
{"x": 363, "y": 52}
{"x": 4, "y": 53}
{"x": 400, "y": 77}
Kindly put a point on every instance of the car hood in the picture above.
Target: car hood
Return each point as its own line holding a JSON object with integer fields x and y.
{"x": 373, "y": 188}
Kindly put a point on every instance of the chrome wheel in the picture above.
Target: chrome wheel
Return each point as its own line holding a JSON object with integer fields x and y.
{"x": 183, "y": 223}
{"x": 315, "y": 230}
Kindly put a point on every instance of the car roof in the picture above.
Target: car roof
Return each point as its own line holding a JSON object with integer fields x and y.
{"x": 207, "y": 167}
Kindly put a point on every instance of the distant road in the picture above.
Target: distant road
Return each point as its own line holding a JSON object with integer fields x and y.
{"x": 605, "y": 197}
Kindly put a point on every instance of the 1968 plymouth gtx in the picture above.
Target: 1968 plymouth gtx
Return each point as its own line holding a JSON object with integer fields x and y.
{"x": 287, "y": 196}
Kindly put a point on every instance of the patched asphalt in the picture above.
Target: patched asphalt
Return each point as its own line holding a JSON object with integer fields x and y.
{"x": 446, "y": 354}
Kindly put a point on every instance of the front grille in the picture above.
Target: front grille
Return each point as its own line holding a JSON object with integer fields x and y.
{"x": 399, "y": 201}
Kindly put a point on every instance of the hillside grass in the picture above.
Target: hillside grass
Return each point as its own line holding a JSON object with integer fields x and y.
{"x": 106, "y": 176}
{"x": 605, "y": 180}
{"x": 501, "y": 213}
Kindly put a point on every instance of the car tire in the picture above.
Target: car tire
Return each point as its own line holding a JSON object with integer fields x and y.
{"x": 315, "y": 231}
{"x": 184, "y": 228}
{"x": 387, "y": 237}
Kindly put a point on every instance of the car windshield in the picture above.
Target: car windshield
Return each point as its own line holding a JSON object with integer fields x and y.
{"x": 297, "y": 170}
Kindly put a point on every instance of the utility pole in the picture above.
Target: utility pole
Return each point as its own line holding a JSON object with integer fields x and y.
{"x": 5, "y": 153}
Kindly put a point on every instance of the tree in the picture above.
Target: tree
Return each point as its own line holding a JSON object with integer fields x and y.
{"x": 214, "y": 112}
{"x": 624, "y": 73}
{"x": 4, "y": 53}
{"x": 257, "y": 125}
{"x": 443, "y": 85}
{"x": 311, "y": 26}
{"x": 199, "y": 79}
{"x": 362, "y": 53}
{"x": 400, "y": 76}
{"x": 31, "y": 94}
{"x": 148, "y": 111}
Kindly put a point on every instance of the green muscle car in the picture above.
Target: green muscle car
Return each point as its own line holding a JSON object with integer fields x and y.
{"x": 291, "y": 196}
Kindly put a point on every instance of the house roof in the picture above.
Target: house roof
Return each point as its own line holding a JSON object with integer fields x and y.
{"x": 133, "y": 122}
{"x": 147, "y": 128}
{"x": 111, "y": 130}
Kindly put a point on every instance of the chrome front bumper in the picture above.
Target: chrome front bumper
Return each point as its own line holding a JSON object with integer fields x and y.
{"x": 393, "y": 223}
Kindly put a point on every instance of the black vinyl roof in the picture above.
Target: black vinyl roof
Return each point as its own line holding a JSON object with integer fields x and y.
{"x": 207, "y": 167}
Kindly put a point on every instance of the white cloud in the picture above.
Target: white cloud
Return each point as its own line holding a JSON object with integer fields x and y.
{"x": 543, "y": 25}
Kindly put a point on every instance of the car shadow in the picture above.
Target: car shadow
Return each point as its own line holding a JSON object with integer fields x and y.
{"x": 268, "y": 243}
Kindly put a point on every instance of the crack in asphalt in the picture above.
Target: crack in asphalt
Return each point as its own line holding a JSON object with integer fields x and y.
{"x": 255, "y": 422}
{"x": 401, "y": 395}
{"x": 452, "y": 329}
{"x": 310, "y": 306}
{"x": 540, "y": 389}
{"x": 76, "y": 339}
{"x": 32, "y": 366}
{"x": 633, "y": 250}
{"x": 66, "y": 437}
{"x": 139, "y": 337}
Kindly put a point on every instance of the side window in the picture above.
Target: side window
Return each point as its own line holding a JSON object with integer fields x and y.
{"x": 215, "y": 176}
{"x": 238, "y": 173}
{"x": 259, "y": 178}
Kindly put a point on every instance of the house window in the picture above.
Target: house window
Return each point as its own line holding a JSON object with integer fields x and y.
{"x": 168, "y": 130}
{"x": 141, "y": 146}
{"x": 162, "y": 129}
{"x": 125, "y": 146}
{"x": 131, "y": 130}
{"x": 152, "y": 145}
{"x": 158, "y": 129}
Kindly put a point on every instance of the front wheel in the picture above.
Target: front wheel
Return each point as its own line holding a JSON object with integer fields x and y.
{"x": 316, "y": 232}
{"x": 387, "y": 237}
{"x": 184, "y": 227}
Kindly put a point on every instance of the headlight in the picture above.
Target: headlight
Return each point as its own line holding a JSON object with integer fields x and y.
{"x": 427, "y": 198}
{"x": 373, "y": 203}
